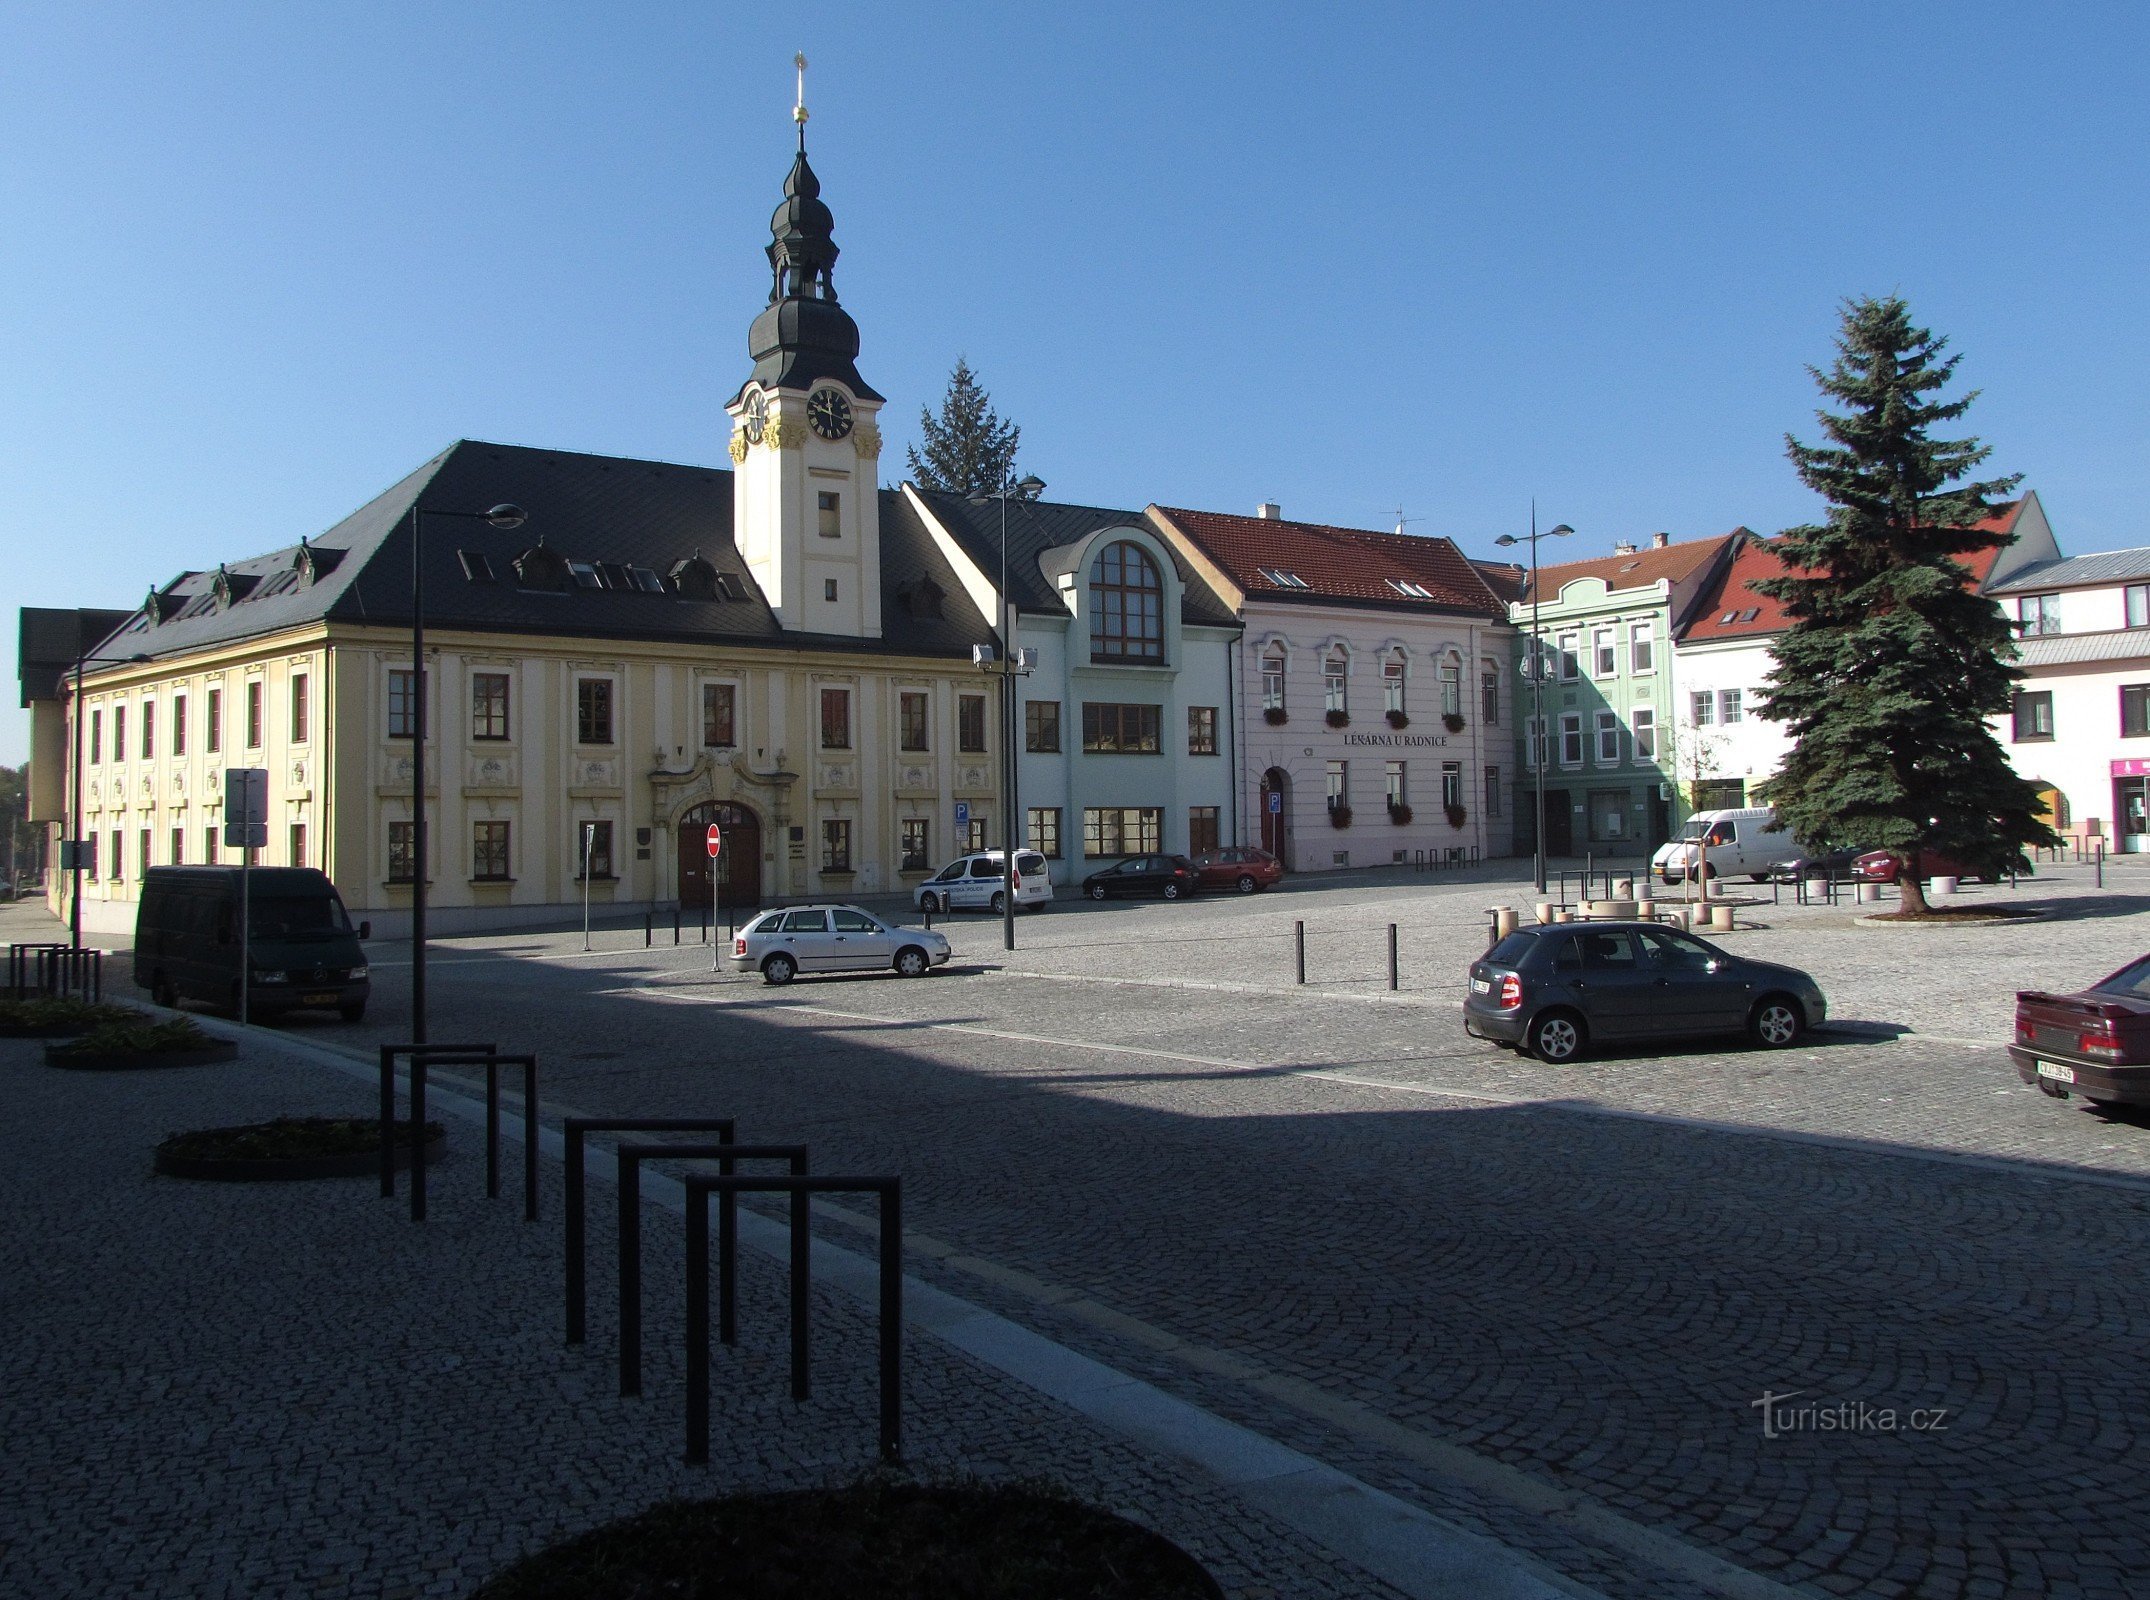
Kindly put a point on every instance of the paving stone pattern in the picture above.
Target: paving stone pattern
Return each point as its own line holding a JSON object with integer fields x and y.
{"x": 279, "y": 1390}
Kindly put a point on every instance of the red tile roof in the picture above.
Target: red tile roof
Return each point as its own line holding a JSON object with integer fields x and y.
{"x": 1734, "y": 610}
{"x": 1635, "y": 570}
{"x": 1352, "y": 565}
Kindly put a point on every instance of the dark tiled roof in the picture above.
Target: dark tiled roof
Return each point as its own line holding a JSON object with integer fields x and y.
{"x": 585, "y": 508}
{"x": 1506, "y": 579}
{"x": 1354, "y": 566}
{"x": 1036, "y": 526}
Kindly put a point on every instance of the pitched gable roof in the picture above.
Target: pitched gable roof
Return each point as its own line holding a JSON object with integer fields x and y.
{"x": 1732, "y": 609}
{"x": 1036, "y": 526}
{"x": 1636, "y": 569}
{"x": 1270, "y": 558}
{"x": 614, "y": 514}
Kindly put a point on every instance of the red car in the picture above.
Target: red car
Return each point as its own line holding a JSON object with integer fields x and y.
{"x": 2095, "y": 1043}
{"x": 1240, "y": 867}
{"x": 1878, "y": 866}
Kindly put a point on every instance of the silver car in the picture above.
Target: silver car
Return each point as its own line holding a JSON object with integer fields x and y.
{"x": 782, "y": 944}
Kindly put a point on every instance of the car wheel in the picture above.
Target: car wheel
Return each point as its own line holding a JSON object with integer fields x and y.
{"x": 1096, "y": 891}
{"x": 1000, "y": 903}
{"x": 1172, "y": 891}
{"x": 1557, "y": 1037}
{"x": 779, "y": 969}
{"x": 161, "y": 991}
{"x": 911, "y": 962}
{"x": 1758, "y": 877}
{"x": 352, "y": 1013}
{"x": 1246, "y": 884}
{"x": 1776, "y": 1022}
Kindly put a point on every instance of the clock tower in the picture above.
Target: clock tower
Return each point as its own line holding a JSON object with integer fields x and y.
{"x": 805, "y": 432}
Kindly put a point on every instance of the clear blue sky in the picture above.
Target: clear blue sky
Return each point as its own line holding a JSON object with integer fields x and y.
{"x": 260, "y": 261}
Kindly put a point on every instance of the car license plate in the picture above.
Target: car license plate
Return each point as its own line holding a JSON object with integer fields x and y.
{"x": 1482, "y": 985}
{"x": 2055, "y": 1071}
{"x": 325, "y": 998}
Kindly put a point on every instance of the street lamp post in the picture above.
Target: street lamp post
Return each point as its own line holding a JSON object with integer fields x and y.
{"x": 1026, "y": 488}
{"x": 74, "y": 848}
{"x": 1536, "y": 742}
{"x": 501, "y": 516}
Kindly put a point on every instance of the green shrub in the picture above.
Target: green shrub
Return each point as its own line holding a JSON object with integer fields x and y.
{"x": 132, "y": 1033}
{"x": 283, "y": 1139}
{"x": 61, "y": 1012}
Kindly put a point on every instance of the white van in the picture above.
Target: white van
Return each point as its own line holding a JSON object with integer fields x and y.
{"x": 1726, "y": 843}
{"x": 976, "y": 883}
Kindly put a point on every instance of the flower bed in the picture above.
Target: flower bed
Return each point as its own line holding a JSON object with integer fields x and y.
{"x": 287, "y": 1148}
{"x": 56, "y": 1017}
{"x": 879, "y": 1537}
{"x": 130, "y": 1039}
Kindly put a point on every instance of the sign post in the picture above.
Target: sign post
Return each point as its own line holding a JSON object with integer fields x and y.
{"x": 589, "y": 837}
{"x": 716, "y": 848}
{"x": 246, "y": 829}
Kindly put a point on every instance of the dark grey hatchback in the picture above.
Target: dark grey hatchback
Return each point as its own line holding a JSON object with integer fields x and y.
{"x": 1553, "y": 991}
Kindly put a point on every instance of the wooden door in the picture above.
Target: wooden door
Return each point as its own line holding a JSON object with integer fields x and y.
{"x": 736, "y": 880}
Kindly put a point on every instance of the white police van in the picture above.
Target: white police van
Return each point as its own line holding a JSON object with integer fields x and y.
{"x": 977, "y": 882}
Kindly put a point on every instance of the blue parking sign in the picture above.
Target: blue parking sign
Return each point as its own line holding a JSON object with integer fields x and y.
{"x": 1276, "y": 801}
{"x": 962, "y": 813}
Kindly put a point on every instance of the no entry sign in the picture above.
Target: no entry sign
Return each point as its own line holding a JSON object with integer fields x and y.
{"x": 716, "y": 841}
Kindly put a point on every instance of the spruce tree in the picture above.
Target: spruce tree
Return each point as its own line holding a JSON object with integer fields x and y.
{"x": 969, "y": 450}
{"x": 1893, "y": 662}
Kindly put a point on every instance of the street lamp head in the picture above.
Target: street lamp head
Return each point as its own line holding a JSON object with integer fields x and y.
{"x": 1030, "y": 486}
{"x": 1507, "y": 538}
{"x": 1560, "y": 532}
{"x": 506, "y": 516}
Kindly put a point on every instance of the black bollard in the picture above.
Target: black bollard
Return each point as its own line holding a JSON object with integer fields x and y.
{"x": 1392, "y": 955}
{"x": 1299, "y": 941}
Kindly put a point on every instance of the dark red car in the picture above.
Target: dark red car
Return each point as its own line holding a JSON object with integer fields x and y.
{"x": 1240, "y": 867}
{"x": 2095, "y": 1043}
{"x": 1878, "y": 866}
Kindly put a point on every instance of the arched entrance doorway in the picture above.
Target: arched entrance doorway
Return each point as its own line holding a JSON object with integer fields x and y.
{"x": 736, "y": 883}
{"x": 1276, "y": 814}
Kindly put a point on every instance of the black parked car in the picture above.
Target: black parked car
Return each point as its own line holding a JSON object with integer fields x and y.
{"x": 1169, "y": 876}
{"x": 1553, "y": 991}
{"x": 1834, "y": 864}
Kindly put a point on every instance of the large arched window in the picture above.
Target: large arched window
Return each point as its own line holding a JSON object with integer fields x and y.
{"x": 1127, "y": 606}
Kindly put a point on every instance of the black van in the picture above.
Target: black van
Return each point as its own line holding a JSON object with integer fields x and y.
{"x": 186, "y": 940}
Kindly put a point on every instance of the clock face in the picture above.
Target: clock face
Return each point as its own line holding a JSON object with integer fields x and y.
{"x": 754, "y": 418}
{"x": 829, "y": 412}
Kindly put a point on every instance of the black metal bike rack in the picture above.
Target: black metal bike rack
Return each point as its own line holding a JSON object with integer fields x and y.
{"x": 54, "y": 969}
{"x": 578, "y": 1130}
{"x": 423, "y": 1056}
{"x": 725, "y": 1154}
{"x": 889, "y": 1192}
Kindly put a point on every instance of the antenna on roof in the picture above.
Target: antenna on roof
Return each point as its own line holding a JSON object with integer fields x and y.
{"x": 1401, "y": 519}
{"x": 798, "y": 109}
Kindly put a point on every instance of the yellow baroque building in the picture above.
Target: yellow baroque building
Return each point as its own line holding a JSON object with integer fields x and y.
{"x": 780, "y": 648}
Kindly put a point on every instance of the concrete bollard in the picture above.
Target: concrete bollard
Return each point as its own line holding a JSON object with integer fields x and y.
{"x": 1545, "y": 912}
{"x": 1721, "y": 919}
{"x": 1869, "y": 894}
{"x": 1943, "y": 888}
{"x": 1504, "y": 921}
{"x": 1563, "y": 916}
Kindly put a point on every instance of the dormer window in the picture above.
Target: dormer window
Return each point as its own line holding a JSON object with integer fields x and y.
{"x": 477, "y": 567}
{"x": 1283, "y": 579}
{"x": 694, "y": 579}
{"x": 585, "y": 575}
{"x": 541, "y": 569}
{"x": 646, "y": 580}
{"x": 1127, "y": 606}
{"x": 1415, "y": 591}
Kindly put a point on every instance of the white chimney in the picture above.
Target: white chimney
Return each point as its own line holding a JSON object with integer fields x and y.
{"x": 1624, "y": 547}
{"x": 1269, "y": 511}
{"x": 1658, "y": 541}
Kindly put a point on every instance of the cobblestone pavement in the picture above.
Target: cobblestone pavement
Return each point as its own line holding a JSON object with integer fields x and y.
{"x": 280, "y": 1390}
{"x": 1541, "y": 1302}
